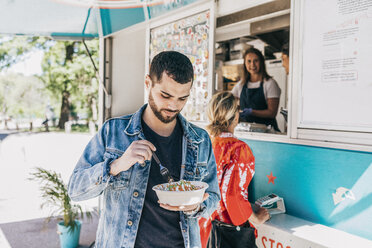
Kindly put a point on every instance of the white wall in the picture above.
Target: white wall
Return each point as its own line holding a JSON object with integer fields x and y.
{"x": 128, "y": 69}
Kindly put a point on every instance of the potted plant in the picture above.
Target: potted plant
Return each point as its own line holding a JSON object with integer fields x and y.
{"x": 54, "y": 192}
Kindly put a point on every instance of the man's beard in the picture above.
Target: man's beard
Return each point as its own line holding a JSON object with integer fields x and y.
{"x": 157, "y": 112}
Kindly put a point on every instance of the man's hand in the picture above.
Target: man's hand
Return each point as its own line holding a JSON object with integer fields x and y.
{"x": 184, "y": 208}
{"x": 138, "y": 151}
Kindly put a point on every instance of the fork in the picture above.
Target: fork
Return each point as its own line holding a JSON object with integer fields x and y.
{"x": 163, "y": 170}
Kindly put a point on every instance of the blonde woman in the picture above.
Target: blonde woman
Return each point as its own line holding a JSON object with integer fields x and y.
{"x": 235, "y": 169}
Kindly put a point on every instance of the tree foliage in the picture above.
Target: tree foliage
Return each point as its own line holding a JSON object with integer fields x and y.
{"x": 14, "y": 49}
{"x": 67, "y": 77}
{"x": 22, "y": 96}
{"x": 68, "y": 73}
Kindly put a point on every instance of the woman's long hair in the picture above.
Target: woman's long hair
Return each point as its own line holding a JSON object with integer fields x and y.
{"x": 221, "y": 112}
{"x": 263, "y": 72}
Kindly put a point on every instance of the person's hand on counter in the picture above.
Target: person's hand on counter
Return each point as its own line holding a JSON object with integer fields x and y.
{"x": 260, "y": 216}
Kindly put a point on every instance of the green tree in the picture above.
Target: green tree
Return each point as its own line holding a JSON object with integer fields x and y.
{"x": 22, "y": 97}
{"x": 68, "y": 73}
{"x": 14, "y": 49}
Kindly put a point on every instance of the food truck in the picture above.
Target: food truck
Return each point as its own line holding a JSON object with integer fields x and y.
{"x": 320, "y": 163}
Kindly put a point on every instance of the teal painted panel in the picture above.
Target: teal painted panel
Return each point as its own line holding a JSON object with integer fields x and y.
{"x": 72, "y": 36}
{"x": 307, "y": 176}
{"x": 117, "y": 19}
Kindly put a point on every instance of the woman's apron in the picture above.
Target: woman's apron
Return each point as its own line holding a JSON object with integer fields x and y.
{"x": 255, "y": 99}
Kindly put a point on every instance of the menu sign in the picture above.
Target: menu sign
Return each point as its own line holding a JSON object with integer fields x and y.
{"x": 337, "y": 76}
{"x": 189, "y": 36}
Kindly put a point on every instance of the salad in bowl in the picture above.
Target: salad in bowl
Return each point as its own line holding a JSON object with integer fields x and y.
{"x": 181, "y": 193}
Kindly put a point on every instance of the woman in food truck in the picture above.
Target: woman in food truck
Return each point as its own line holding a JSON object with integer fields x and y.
{"x": 258, "y": 92}
{"x": 235, "y": 170}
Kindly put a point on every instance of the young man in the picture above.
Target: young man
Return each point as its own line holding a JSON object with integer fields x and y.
{"x": 118, "y": 163}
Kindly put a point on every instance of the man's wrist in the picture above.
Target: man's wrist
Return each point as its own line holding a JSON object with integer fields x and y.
{"x": 114, "y": 168}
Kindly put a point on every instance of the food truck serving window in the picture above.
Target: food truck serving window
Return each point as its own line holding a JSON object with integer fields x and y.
{"x": 261, "y": 31}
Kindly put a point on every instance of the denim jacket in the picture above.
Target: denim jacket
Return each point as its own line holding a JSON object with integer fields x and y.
{"x": 124, "y": 194}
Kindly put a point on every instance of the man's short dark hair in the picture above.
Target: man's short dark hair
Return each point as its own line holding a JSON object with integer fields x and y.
{"x": 176, "y": 65}
{"x": 285, "y": 49}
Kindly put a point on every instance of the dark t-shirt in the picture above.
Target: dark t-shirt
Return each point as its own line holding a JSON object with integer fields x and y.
{"x": 158, "y": 227}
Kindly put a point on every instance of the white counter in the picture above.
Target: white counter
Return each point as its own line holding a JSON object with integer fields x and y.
{"x": 286, "y": 231}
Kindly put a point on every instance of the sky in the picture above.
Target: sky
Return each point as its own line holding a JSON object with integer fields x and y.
{"x": 30, "y": 66}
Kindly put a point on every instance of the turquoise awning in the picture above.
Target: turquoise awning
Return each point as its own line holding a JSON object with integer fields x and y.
{"x": 70, "y": 19}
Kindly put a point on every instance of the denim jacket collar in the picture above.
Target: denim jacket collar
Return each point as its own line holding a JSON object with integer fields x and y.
{"x": 134, "y": 126}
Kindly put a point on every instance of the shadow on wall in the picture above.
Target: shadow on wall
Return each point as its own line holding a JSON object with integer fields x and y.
{"x": 307, "y": 177}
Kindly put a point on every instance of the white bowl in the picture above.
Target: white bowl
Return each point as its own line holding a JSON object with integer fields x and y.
{"x": 180, "y": 198}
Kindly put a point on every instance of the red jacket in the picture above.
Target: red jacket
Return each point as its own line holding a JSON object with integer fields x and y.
{"x": 235, "y": 170}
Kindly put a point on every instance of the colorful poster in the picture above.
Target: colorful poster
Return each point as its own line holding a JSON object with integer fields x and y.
{"x": 189, "y": 36}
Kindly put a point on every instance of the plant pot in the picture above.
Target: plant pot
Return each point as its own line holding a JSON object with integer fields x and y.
{"x": 69, "y": 239}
